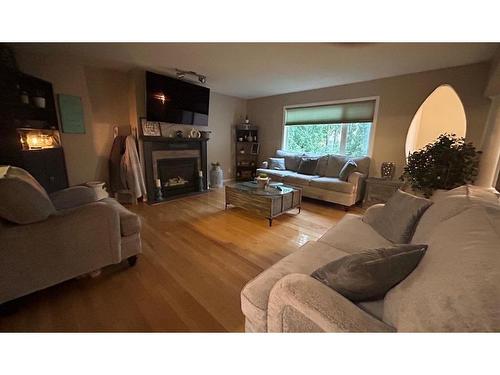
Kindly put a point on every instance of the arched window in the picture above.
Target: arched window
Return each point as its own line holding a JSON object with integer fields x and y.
{"x": 442, "y": 112}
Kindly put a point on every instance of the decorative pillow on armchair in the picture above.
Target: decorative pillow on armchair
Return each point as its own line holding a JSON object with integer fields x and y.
{"x": 276, "y": 164}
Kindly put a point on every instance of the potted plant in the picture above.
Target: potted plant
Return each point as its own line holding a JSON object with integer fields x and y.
{"x": 262, "y": 180}
{"x": 447, "y": 163}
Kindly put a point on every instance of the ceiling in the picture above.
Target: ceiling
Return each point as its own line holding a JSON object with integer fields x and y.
{"x": 250, "y": 70}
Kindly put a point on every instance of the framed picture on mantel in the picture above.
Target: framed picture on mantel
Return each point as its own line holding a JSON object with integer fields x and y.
{"x": 150, "y": 128}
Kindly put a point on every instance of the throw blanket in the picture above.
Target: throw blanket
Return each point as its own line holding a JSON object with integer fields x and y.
{"x": 131, "y": 170}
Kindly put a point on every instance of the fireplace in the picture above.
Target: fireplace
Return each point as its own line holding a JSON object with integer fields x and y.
{"x": 177, "y": 174}
{"x": 176, "y": 162}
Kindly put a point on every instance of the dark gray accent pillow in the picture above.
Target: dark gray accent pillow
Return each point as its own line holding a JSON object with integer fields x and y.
{"x": 397, "y": 220}
{"x": 349, "y": 167}
{"x": 372, "y": 273}
{"x": 308, "y": 166}
{"x": 277, "y": 164}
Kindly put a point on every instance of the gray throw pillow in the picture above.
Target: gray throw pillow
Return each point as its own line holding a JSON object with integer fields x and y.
{"x": 277, "y": 164}
{"x": 397, "y": 220}
{"x": 334, "y": 165}
{"x": 308, "y": 166}
{"x": 349, "y": 167}
{"x": 370, "y": 274}
{"x": 292, "y": 159}
{"x": 322, "y": 166}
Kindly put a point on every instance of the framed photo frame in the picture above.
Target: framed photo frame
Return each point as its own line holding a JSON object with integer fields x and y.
{"x": 71, "y": 114}
{"x": 150, "y": 128}
{"x": 255, "y": 148}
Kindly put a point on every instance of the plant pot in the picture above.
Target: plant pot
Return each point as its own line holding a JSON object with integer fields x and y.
{"x": 262, "y": 182}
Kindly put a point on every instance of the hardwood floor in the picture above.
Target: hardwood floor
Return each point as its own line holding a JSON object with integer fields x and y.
{"x": 196, "y": 259}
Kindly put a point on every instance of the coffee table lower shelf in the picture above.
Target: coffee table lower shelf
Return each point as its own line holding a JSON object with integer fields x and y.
{"x": 269, "y": 206}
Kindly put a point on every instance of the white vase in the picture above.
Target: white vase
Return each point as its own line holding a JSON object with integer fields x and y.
{"x": 216, "y": 177}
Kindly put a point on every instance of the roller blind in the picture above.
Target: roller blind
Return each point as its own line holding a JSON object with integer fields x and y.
{"x": 331, "y": 114}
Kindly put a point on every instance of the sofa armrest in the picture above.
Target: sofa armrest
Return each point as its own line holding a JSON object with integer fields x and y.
{"x": 300, "y": 303}
{"x": 373, "y": 211}
{"x": 358, "y": 180}
{"x": 73, "y": 197}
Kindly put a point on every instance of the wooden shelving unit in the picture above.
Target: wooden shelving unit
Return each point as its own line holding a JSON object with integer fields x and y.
{"x": 247, "y": 151}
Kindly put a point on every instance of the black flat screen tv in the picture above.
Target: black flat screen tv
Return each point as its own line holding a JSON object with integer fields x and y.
{"x": 174, "y": 101}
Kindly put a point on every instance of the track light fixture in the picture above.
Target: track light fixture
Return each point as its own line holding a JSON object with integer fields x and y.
{"x": 182, "y": 74}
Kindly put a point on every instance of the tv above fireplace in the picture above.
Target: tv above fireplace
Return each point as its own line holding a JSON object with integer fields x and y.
{"x": 174, "y": 101}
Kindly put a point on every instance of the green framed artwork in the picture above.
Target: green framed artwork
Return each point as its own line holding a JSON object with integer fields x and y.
{"x": 71, "y": 112}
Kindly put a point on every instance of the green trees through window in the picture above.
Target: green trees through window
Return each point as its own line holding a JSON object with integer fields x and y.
{"x": 350, "y": 139}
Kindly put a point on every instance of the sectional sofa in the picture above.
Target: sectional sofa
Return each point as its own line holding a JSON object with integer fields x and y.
{"x": 455, "y": 287}
{"x": 324, "y": 183}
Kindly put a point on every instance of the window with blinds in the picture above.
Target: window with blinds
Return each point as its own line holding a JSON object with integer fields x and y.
{"x": 343, "y": 128}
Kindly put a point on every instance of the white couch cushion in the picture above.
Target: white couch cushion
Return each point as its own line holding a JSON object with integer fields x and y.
{"x": 255, "y": 294}
{"x": 298, "y": 179}
{"x": 456, "y": 286}
{"x": 333, "y": 184}
{"x": 351, "y": 235}
{"x": 274, "y": 174}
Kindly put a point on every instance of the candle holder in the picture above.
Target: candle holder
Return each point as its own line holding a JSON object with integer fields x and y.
{"x": 387, "y": 170}
{"x": 158, "y": 194}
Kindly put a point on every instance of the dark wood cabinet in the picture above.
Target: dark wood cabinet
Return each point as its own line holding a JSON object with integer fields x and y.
{"x": 19, "y": 110}
{"x": 48, "y": 167}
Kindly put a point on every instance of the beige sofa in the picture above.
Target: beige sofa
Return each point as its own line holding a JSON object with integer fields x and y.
{"x": 324, "y": 184}
{"x": 456, "y": 286}
{"x": 47, "y": 240}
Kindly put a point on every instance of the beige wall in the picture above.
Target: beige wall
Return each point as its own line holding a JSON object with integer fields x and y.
{"x": 108, "y": 99}
{"x": 400, "y": 98}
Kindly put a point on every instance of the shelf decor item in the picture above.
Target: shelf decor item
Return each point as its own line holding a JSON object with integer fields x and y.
{"x": 38, "y": 139}
{"x": 39, "y": 100}
{"x": 447, "y": 163}
{"x": 387, "y": 170}
{"x": 216, "y": 176}
{"x": 194, "y": 133}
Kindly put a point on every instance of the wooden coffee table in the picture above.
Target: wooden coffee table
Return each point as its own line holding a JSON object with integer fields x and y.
{"x": 269, "y": 202}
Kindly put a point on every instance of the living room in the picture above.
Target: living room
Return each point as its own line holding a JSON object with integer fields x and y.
{"x": 193, "y": 185}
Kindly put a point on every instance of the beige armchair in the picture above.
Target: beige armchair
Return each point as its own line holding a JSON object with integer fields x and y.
{"x": 45, "y": 240}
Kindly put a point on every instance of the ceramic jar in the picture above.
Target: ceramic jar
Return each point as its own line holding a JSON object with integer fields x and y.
{"x": 216, "y": 176}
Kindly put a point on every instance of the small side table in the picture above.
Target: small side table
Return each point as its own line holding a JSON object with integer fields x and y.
{"x": 379, "y": 190}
